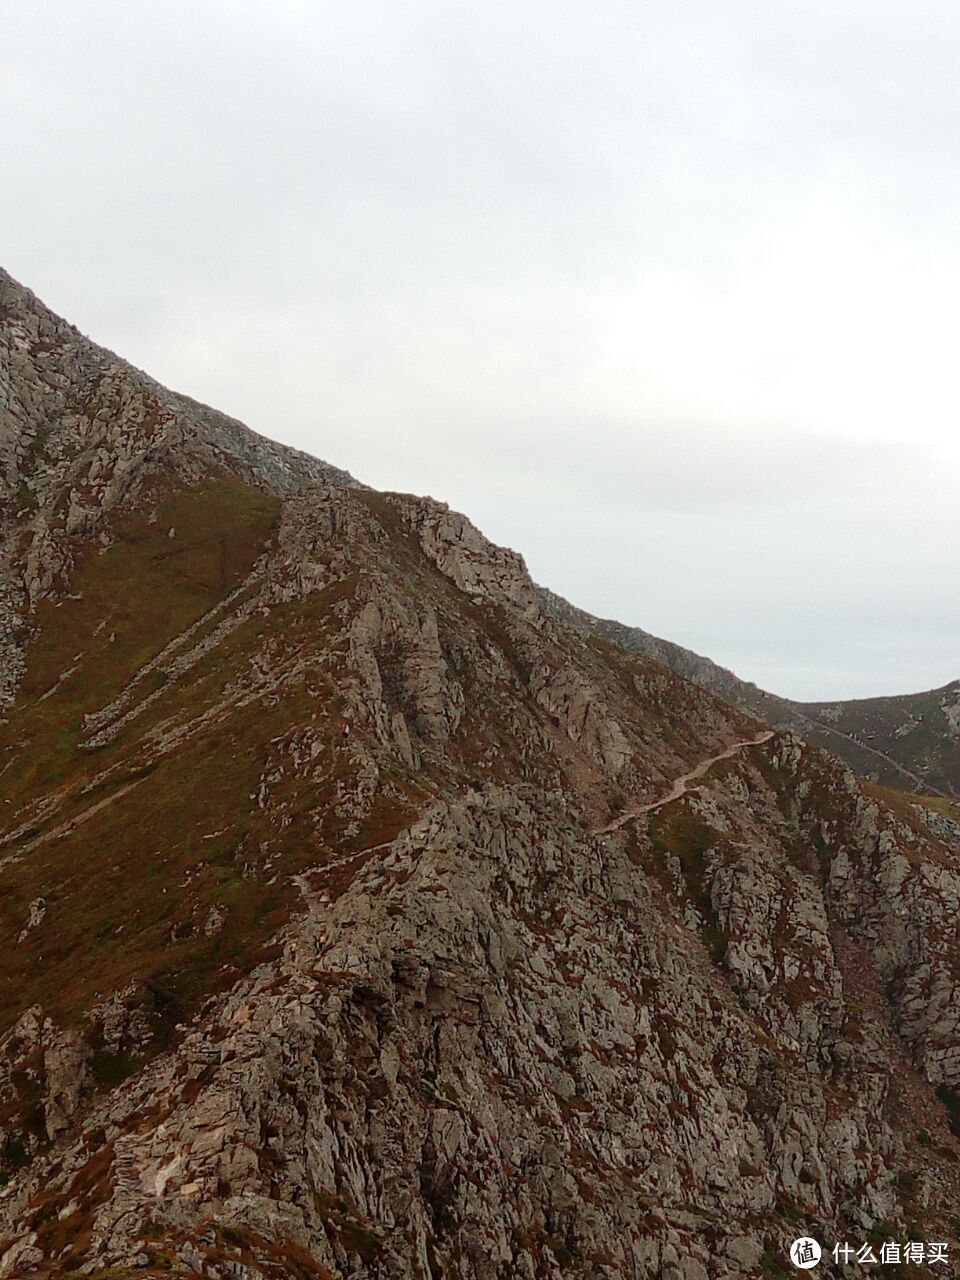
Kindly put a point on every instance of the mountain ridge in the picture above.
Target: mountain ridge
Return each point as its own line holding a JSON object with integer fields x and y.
{"x": 558, "y": 966}
{"x": 887, "y": 757}
{"x": 81, "y": 432}
{"x": 873, "y": 735}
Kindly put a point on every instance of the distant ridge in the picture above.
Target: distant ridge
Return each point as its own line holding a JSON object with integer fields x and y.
{"x": 910, "y": 741}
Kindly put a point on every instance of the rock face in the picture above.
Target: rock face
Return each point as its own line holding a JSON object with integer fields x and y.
{"x": 464, "y": 555}
{"x": 579, "y": 710}
{"x": 279, "y": 1002}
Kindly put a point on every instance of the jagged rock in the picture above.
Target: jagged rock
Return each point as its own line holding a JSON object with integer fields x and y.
{"x": 216, "y": 918}
{"x": 66, "y": 1067}
{"x": 39, "y": 1060}
{"x": 579, "y": 710}
{"x": 479, "y": 569}
{"x": 38, "y": 909}
{"x": 123, "y": 1024}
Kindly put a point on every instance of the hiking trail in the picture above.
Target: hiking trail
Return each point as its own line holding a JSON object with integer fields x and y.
{"x": 681, "y": 785}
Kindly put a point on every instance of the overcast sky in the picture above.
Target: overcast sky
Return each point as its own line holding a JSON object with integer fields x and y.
{"x": 662, "y": 294}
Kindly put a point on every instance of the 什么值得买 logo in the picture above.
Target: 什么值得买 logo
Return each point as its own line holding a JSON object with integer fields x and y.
{"x": 805, "y": 1253}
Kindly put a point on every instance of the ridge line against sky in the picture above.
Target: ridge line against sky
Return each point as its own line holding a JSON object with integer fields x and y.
{"x": 663, "y": 299}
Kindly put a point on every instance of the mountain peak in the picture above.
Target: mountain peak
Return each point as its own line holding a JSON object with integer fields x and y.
{"x": 83, "y": 434}
{"x": 66, "y": 398}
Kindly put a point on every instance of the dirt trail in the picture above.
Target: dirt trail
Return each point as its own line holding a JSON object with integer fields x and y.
{"x": 923, "y": 787}
{"x": 682, "y": 784}
{"x": 65, "y": 828}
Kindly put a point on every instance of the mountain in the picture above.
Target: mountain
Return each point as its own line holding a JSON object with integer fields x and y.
{"x": 910, "y": 742}
{"x": 83, "y": 433}
{"x": 557, "y": 965}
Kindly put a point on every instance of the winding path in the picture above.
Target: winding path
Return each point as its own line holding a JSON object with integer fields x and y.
{"x": 682, "y": 784}
{"x": 923, "y": 788}
{"x": 65, "y": 828}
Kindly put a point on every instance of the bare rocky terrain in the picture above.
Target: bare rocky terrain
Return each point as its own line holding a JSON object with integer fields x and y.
{"x": 561, "y": 965}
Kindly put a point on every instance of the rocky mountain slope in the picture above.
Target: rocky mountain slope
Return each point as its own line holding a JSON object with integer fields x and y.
{"x": 910, "y": 741}
{"x": 558, "y": 966}
{"x": 81, "y": 433}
